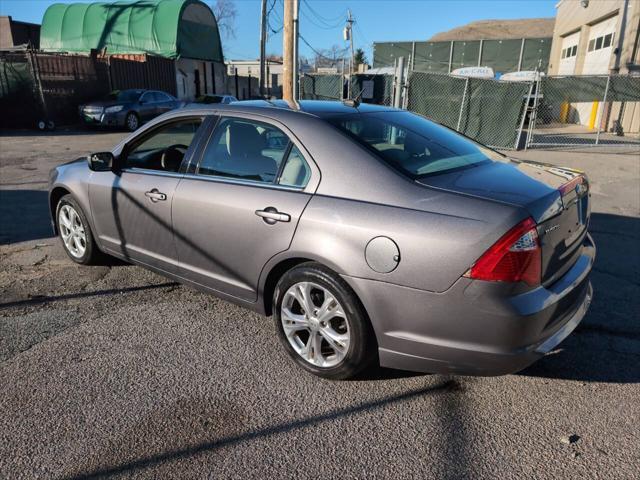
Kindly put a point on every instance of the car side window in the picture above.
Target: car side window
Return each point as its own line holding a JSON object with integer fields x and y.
{"x": 244, "y": 149}
{"x": 164, "y": 148}
{"x": 147, "y": 97}
{"x": 296, "y": 171}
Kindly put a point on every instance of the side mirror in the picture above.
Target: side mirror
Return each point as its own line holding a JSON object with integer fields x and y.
{"x": 101, "y": 161}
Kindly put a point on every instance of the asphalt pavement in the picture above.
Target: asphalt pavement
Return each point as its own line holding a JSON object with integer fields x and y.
{"x": 113, "y": 371}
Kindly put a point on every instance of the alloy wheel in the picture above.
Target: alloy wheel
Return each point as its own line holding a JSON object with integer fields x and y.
{"x": 72, "y": 231}
{"x": 315, "y": 324}
{"x": 132, "y": 122}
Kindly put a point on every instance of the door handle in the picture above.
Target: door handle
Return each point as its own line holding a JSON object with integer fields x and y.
{"x": 155, "y": 196}
{"x": 271, "y": 215}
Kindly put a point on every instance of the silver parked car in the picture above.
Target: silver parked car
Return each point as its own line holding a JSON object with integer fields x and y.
{"x": 369, "y": 233}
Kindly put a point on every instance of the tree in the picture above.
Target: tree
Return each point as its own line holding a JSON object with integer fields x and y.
{"x": 226, "y": 13}
{"x": 360, "y": 57}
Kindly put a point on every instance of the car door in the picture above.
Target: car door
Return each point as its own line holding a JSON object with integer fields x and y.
{"x": 131, "y": 206}
{"x": 164, "y": 102}
{"x": 148, "y": 106}
{"x": 240, "y": 205}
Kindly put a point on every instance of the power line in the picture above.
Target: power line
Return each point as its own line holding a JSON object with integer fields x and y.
{"x": 326, "y": 20}
{"x": 342, "y": 52}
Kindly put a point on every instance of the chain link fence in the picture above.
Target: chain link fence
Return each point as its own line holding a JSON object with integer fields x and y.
{"x": 585, "y": 111}
{"x": 376, "y": 89}
{"x": 321, "y": 87}
{"x": 489, "y": 111}
{"x": 548, "y": 112}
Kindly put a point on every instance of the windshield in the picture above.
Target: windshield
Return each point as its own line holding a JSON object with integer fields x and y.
{"x": 412, "y": 144}
{"x": 125, "y": 95}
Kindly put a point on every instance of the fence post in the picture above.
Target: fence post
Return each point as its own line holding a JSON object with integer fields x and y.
{"x": 604, "y": 108}
{"x": 525, "y": 108}
{"x": 397, "y": 100}
{"x": 464, "y": 97}
{"x": 534, "y": 114}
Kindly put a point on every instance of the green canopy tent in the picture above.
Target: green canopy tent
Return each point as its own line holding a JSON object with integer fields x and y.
{"x": 168, "y": 28}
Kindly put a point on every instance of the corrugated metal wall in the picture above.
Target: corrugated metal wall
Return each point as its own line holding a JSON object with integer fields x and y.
{"x": 143, "y": 71}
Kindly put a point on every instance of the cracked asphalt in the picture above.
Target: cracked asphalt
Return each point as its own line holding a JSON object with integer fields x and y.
{"x": 113, "y": 371}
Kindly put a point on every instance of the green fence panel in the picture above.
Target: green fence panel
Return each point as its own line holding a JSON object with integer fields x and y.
{"x": 385, "y": 54}
{"x": 465, "y": 54}
{"x": 501, "y": 55}
{"x": 493, "y": 110}
{"x": 321, "y": 87}
{"x": 432, "y": 57}
{"x": 436, "y": 96}
{"x": 573, "y": 89}
{"x": 535, "y": 54}
{"x": 382, "y": 88}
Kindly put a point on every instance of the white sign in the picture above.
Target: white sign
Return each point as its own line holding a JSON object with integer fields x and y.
{"x": 525, "y": 76}
{"x": 367, "y": 90}
{"x": 474, "y": 72}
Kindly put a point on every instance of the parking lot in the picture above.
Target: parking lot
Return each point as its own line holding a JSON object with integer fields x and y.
{"x": 115, "y": 371}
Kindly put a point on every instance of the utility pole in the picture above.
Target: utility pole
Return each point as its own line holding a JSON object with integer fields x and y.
{"x": 353, "y": 58}
{"x": 263, "y": 45}
{"x": 296, "y": 61}
{"x": 287, "y": 52}
{"x": 348, "y": 35}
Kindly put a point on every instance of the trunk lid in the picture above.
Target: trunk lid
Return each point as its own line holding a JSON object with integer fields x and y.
{"x": 556, "y": 198}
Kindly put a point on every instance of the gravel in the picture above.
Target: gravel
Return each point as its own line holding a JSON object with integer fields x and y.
{"x": 113, "y": 371}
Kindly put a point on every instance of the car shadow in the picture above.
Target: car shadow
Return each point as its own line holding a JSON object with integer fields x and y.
{"x": 606, "y": 345}
{"x": 24, "y": 215}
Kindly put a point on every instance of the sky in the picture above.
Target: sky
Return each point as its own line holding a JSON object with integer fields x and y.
{"x": 322, "y": 21}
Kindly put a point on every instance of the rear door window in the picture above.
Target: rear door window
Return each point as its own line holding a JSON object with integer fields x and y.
{"x": 244, "y": 149}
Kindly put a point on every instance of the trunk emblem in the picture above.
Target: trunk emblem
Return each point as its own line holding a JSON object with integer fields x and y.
{"x": 551, "y": 228}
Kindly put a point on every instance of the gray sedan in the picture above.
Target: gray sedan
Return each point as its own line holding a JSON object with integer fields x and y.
{"x": 370, "y": 234}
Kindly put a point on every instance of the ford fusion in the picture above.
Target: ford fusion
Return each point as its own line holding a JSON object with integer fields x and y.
{"x": 369, "y": 234}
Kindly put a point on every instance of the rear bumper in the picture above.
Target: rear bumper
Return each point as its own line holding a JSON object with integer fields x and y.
{"x": 475, "y": 327}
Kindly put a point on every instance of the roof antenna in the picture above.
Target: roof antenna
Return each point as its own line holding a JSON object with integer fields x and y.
{"x": 354, "y": 102}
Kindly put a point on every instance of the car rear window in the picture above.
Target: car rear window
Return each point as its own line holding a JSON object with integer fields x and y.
{"x": 412, "y": 144}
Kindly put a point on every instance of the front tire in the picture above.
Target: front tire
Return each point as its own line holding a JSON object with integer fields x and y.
{"x": 75, "y": 233}
{"x": 321, "y": 323}
{"x": 131, "y": 121}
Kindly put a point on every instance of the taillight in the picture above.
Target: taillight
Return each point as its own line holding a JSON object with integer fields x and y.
{"x": 515, "y": 257}
{"x": 567, "y": 187}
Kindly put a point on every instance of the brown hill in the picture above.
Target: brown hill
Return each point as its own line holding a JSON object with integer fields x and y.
{"x": 499, "y": 29}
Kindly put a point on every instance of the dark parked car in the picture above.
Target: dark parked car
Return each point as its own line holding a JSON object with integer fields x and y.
{"x": 209, "y": 99}
{"x": 369, "y": 233}
{"x": 128, "y": 108}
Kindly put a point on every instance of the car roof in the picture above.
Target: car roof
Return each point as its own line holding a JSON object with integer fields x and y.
{"x": 318, "y": 108}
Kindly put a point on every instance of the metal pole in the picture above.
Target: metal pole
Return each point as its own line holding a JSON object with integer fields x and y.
{"x": 480, "y": 53}
{"x": 604, "y": 108}
{"x": 397, "y": 101}
{"x": 464, "y": 97}
{"x": 450, "y": 56}
{"x": 524, "y": 116}
{"x": 296, "y": 63}
{"x": 412, "y": 61}
{"x": 263, "y": 42}
{"x": 521, "y": 54}
{"x": 534, "y": 114}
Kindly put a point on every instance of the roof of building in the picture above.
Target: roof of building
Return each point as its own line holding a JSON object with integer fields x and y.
{"x": 499, "y": 30}
{"x": 168, "y": 28}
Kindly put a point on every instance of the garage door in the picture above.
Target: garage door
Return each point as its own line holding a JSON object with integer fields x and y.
{"x": 569, "y": 54}
{"x": 600, "y": 47}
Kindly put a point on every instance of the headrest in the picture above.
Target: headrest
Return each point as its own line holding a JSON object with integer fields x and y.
{"x": 244, "y": 140}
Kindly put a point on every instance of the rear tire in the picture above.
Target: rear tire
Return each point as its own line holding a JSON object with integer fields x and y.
{"x": 332, "y": 336}
{"x": 75, "y": 233}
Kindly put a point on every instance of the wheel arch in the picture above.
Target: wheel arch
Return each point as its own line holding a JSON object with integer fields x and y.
{"x": 54, "y": 198}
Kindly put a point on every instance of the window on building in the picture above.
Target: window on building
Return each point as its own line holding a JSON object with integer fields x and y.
{"x": 574, "y": 51}
{"x": 599, "y": 43}
{"x": 607, "y": 40}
